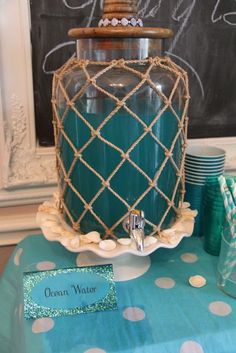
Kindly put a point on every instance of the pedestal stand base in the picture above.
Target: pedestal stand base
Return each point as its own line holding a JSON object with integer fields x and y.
{"x": 125, "y": 267}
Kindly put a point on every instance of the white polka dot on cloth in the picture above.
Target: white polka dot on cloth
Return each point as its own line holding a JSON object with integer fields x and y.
{"x": 134, "y": 314}
{"x": 189, "y": 257}
{"x": 165, "y": 282}
{"x": 95, "y": 350}
{"x": 45, "y": 265}
{"x": 220, "y": 308}
{"x": 191, "y": 347}
{"x": 18, "y": 256}
{"x": 44, "y": 324}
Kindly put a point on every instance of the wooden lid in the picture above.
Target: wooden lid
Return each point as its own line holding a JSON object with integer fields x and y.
{"x": 120, "y": 32}
{"x": 120, "y": 10}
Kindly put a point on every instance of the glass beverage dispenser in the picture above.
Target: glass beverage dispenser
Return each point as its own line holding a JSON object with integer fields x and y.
{"x": 120, "y": 123}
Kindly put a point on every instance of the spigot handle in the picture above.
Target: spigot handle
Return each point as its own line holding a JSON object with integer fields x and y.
{"x": 136, "y": 220}
{"x": 134, "y": 225}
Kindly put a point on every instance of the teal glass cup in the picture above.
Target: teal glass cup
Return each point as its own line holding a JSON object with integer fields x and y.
{"x": 213, "y": 217}
{"x": 226, "y": 269}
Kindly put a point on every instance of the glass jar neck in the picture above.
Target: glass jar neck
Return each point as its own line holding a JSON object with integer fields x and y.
{"x": 107, "y": 49}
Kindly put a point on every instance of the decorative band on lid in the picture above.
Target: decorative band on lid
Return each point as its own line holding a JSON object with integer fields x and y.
{"x": 124, "y": 22}
{"x": 120, "y": 19}
{"x": 120, "y": 13}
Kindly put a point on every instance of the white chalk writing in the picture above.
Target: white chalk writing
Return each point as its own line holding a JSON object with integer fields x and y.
{"x": 225, "y": 16}
{"x": 53, "y": 50}
{"x": 81, "y": 6}
{"x": 185, "y": 15}
{"x": 191, "y": 68}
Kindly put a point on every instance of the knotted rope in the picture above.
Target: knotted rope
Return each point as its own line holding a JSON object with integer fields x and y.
{"x": 129, "y": 66}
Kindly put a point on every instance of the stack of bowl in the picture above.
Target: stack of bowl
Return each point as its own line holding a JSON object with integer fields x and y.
{"x": 203, "y": 164}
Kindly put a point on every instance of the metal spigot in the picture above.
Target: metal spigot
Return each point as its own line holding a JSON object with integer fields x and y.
{"x": 134, "y": 225}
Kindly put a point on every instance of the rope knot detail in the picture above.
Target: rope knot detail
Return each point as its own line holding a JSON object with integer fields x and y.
{"x": 147, "y": 128}
{"x": 76, "y": 227}
{"x": 67, "y": 180}
{"x": 84, "y": 63}
{"x": 152, "y": 184}
{"x": 120, "y": 103}
{"x": 170, "y": 203}
{"x": 114, "y": 62}
{"x": 156, "y": 229}
{"x": 158, "y": 61}
{"x": 125, "y": 155}
{"x": 121, "y": 62}
{"x": 91, "y": 81}
{"x": 167, "y": 102}
{"x": 106, "y": 183}
{"x": 59, "y": 125}
{"x": 151, "y": 60}
{"x": 168, "y": 154}
{"x": 57, "y": 76}
{"x": 144, "y": 76}
{"x": 181, "y": 125}
{"x": 95, "y": 133}
{"x": 77, "y": 155}
{"x": 88, "y": 207}
{"x": 186, "y": 97}
{"x": 70, "y": 104}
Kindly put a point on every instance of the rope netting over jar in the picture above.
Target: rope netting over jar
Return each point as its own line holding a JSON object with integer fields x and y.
{"x": 66, "y": 167}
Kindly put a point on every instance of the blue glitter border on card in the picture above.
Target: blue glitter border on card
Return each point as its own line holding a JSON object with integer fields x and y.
{"x": 33, "y": 310}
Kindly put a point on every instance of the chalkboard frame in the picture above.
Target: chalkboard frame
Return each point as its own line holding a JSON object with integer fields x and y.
{"x": 28, "y": 175}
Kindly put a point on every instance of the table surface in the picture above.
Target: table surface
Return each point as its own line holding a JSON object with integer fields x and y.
{"x": 158, "y": 312}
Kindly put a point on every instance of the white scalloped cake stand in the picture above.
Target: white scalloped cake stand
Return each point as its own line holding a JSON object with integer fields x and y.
{"x": 55, "y": 228}
{"x": 128, "y": 262}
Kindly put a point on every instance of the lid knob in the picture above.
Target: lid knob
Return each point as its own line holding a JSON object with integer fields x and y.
{"x": 120, "y": 13}
{"x": 120, "y": 9}
{"x": 120, "y": 20}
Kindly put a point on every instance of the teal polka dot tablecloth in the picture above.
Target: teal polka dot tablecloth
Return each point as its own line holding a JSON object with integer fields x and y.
{"x": 158, "y": 312}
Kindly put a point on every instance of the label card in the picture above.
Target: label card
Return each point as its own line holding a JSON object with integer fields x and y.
{"x": 69, "y": 291}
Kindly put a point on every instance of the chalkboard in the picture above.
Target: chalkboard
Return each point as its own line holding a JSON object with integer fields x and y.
{"x": 204, "y": 45}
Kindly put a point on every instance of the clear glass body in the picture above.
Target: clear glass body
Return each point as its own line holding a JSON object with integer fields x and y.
{"x": 227, "y": 260}
{"x": 122, "y": 130}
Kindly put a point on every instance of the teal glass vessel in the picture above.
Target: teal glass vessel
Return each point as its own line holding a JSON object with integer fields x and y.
{"x": 120, "y": 135}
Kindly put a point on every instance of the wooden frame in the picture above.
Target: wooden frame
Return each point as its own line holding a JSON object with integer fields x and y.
{"x": 27, "y": 175}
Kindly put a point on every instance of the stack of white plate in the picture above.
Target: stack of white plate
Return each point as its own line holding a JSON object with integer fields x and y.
{"x": 203, "y": 164}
